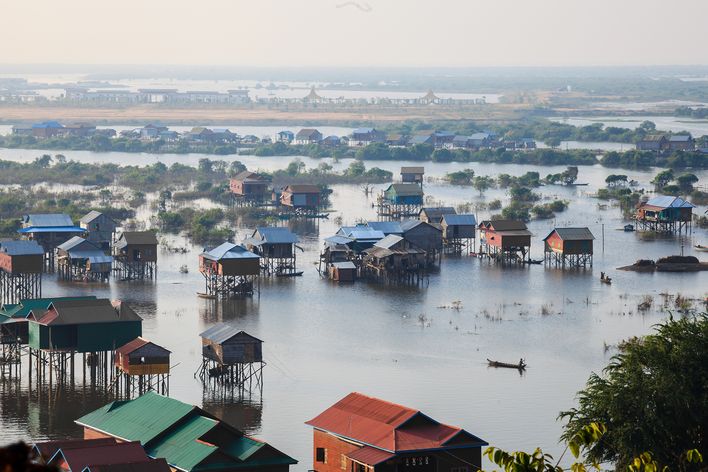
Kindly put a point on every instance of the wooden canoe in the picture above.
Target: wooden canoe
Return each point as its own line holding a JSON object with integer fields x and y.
{"x": 520, "y": 366}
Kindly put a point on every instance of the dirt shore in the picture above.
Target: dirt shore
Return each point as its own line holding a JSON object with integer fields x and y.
{"x": 140, "y": 114}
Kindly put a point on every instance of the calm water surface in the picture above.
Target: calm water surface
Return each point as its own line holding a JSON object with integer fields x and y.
{"x": 323, "y": 340}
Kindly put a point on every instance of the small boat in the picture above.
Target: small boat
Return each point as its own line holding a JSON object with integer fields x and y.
{"x": 205, "y": 295}
{"x": 605, "y": 279}
{"x": 628, "y": 228}
{"x": 520, "y": 366}
{"x": 289, "y": 274}
{"x": 701, "y": 248}
{"x": 533, "y": 261}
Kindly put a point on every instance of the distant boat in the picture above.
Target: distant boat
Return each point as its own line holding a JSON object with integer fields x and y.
{"x": 205, "y": 295}
{"x": 520, "y": 366}
{"x": 533, "y": 261}
{"x": 629, "y": 228}
{"x": 289, "y": 274}
{"x": 701, "y": 248}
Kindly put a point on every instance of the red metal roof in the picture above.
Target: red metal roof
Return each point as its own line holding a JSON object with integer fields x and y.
{"x": 119, "y": 453}
{"x": 132, "y": 345}
{"x": 370, "y": 456}
{"x": 46, "y": 449}
{"x": 386, "y": 425}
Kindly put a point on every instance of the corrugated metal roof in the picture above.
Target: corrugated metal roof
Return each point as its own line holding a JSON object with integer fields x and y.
{"x": 46, "y": 449}
{"x": 153, "y": 465}
{"x": 409, "y": 189}
{"x": 680, "y": 138}
{"x": 435, "y": 213}
{"x": 139, "y": 237}
{"x": 119, "y": 453}
{"x": 504, "y": 225}
{"x": 77, "y": 243}
{"x": 51, "y": 229}
{"x": 344, "y": 265}
{"x": 572, "y": 234}
{"x": 460, "y": 220}
{"x": 99, "y": 259}
{"x": 229, "y": 251}
{"x": 370, "y": 456}
{"x": 22, "y": 309}
{"x": 338, "y": 239}
{"x": 388, "y": 241}
{"x": 21, "y": 248}
{"x": 47, "y": 219}
{"x": 88, "y": 311}
{"x": 384, "y": 425}
{"x": 275, "y": 235}
{"x": 302, "y": 188}
{"x": 141, "y": 419}
{"x": 669, "y": 202}
{"x": 360, "y": 232}
{"x": 90, "y": 216}
{"x": 412, "y": 169}
{"x": 137, "y": 343}
{"x": 386, "y": 227}
{"x": 181, "y": 447}
{"x": 222, "y": 332}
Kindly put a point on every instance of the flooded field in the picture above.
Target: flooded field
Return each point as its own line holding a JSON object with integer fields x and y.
{"x": 323, "y": 340}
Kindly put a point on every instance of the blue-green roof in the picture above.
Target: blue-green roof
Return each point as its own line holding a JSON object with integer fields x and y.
{"x": 181, "y": 447}
{"x": 22, "y": 309}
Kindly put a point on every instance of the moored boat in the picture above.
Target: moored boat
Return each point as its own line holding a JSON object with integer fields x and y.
{"x": 520, "y": 366}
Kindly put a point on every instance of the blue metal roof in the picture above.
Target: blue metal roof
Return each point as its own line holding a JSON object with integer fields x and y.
{"x": 47, "y": 124}
{"x": 276, "y": 235}
{"x": 337, "y": 239}
{"x": 680, "y": 138}
{"x": 51, "y": 229}
{"x": 363, "y": 131}
{"x": 670, "y": 202}
{"x": 100, "y": 259}
{"x": 21, "y": 248}
{"x": 360, "y": 232}
{"x": 459, "y": 220}
{"x": 47, "y": 219}
{"x": 386, "y": 227}
{"x": 229, "y": 251}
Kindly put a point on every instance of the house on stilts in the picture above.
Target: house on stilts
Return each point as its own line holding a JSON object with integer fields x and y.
{"x": 505, "y": 240}
{"x": 135, "y": 255}
{"x": 277, "y": 248}
{"x": 568, "y": 247}
{"x": 81, "y": 260}
{"x": 21, "y": 267}
{"x": 230, "y": 271}
{"x": 665, "y": 214}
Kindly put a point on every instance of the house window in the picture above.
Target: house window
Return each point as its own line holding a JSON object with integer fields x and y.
{"x": 344, "y": 462}
{"x": 361, "y": 468}
{"x": 321, "y": 455}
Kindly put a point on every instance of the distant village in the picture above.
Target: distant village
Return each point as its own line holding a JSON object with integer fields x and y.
{"x": 360, "y": 137}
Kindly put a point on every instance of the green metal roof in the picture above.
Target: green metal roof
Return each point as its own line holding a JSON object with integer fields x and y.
{"x": 180, "y": 446}
{"x": 242, "y": 447}
{"x": 142, "y": 419}
{"x": 22, "y": 309}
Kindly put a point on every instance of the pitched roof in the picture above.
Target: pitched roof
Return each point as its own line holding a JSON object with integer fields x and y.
{"x": 653, "y": 137}
{"x": 152, "y": 465}
{"x": 680, "y": 138}
{"x": 407, "y": 225}
{"x": 386, "y": 227}
{"x": 222, "y": 332}
{"x": 360, "y": 232}
{"x": 39, "y": 220}
{"x": 86, "y": 311}
{"x": 21, "y": 248}
{"x": 389, "y": 241}
{"x": 23, "y": 309}
{"x": 669, "y": 202}
{"x": 308, "y": 133}
{"x": 92, "y": 215}
{"x": 459, "y": 220}
{"x": 408, "y": 189}
{"x": 229, "y": 251}
{"x": 385, "y": 426}
{"x": 139, "y": 237}
{"x": 274, "y": 235}
{"x": 119, "y": 453}
{"x": 78, "y": 244}
{"x": 435, "y": 213}
{"x": 136, "y": 344}
{"x": 46, "y": 449}
{"x": 370, "y": 456}
{"x": 413, "y": 170}
{"x": 504, "y": 225}
{"x": 247, "y": 175}
{"x": 572, "y": 234}
{"x": 302, "y": 188}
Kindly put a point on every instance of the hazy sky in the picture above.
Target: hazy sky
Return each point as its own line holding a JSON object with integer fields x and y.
{"x": 340, "y": 33}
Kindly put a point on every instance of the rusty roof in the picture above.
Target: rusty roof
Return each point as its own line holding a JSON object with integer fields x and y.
{"x": 388, "y": 426}
{"x": 370, "y": 456}
{"x": 137, "y": 343}
{"x": 153, "y": 465}
{"x": 302, "y": 188}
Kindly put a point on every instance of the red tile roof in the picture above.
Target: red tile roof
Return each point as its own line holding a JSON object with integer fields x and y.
{"x": 388, "y": 426}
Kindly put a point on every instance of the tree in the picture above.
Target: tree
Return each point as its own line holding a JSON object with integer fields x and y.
{"x": 615, "y": 180}
{"x": 652, "y": 397}
{"x": 236, "y": 167}
{"x": 460, "y": 177}
{"x": 482, "y": 183}
{"x": 553, "y": 142}
{"x": 295, "y": 167}
{"x": 570, "y": 175}
{"x": 44, "y": 161}
{"x": 686, "y": 181}
{"x": 663, "y": 178}
{"x": 647, "y": 126}
{"x": 356, "y": 169}
{"x": 205, "y": 165}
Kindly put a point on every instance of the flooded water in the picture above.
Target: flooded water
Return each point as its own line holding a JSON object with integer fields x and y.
{"x": 324, "y": 340}
{"x": 675, "y": 124}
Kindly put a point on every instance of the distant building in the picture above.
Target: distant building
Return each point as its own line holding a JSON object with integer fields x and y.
{"x": 404, "y": 194}
{"x": 412, "y": 174}
{"x": 249, "y": 185}
{"x": 652, "y": 142}
{"x": 304, "y": 196}
{"x": 332, "y": 141}
{"x": 366, "y": 434}
{"x": 47, "y": 129}
{"x": 681, "y": 142}
{"x": 100, "y": 228}
{"x": 569, "y": 246}
{"x": 365, "y": 136}
{"x": 285, "y": 136}
{"x": 434, "y": 214}
{"x": 308, "y": 136}
{"x": 665, "y": 214}
{"x": 81, "y": 130}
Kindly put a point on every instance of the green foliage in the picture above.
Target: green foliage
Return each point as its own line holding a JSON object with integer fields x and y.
{"x": 616, "y": 180}
{"x": 652, "y": 397}
{"x": 482, "y": 182}
{"x": 517, "y": 211}
{"x": 460, "y": 177}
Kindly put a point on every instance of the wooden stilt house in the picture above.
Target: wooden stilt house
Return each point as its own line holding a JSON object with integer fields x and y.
{"x": 49, "y": 230}
{"x": 142, "y": 366}
{"x": 82, "y": 260}
{"x": 21, "y": 267}
{"x": 572, "y": 247}
{"x": 229, "y": 270}
{"x": 665, "y": 214}
{"x": 100, "y": 229}
{"x": 276, "y": 246}
{"x": 504, "y": 240}
{"x": 425, "y": 236}
{"x": 135, "y": 254}
{"x": 231, "y": 356}
{"x": 458, "y": 233}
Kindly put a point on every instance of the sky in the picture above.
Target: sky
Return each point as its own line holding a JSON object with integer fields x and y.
{"x": 272, "y": 33}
